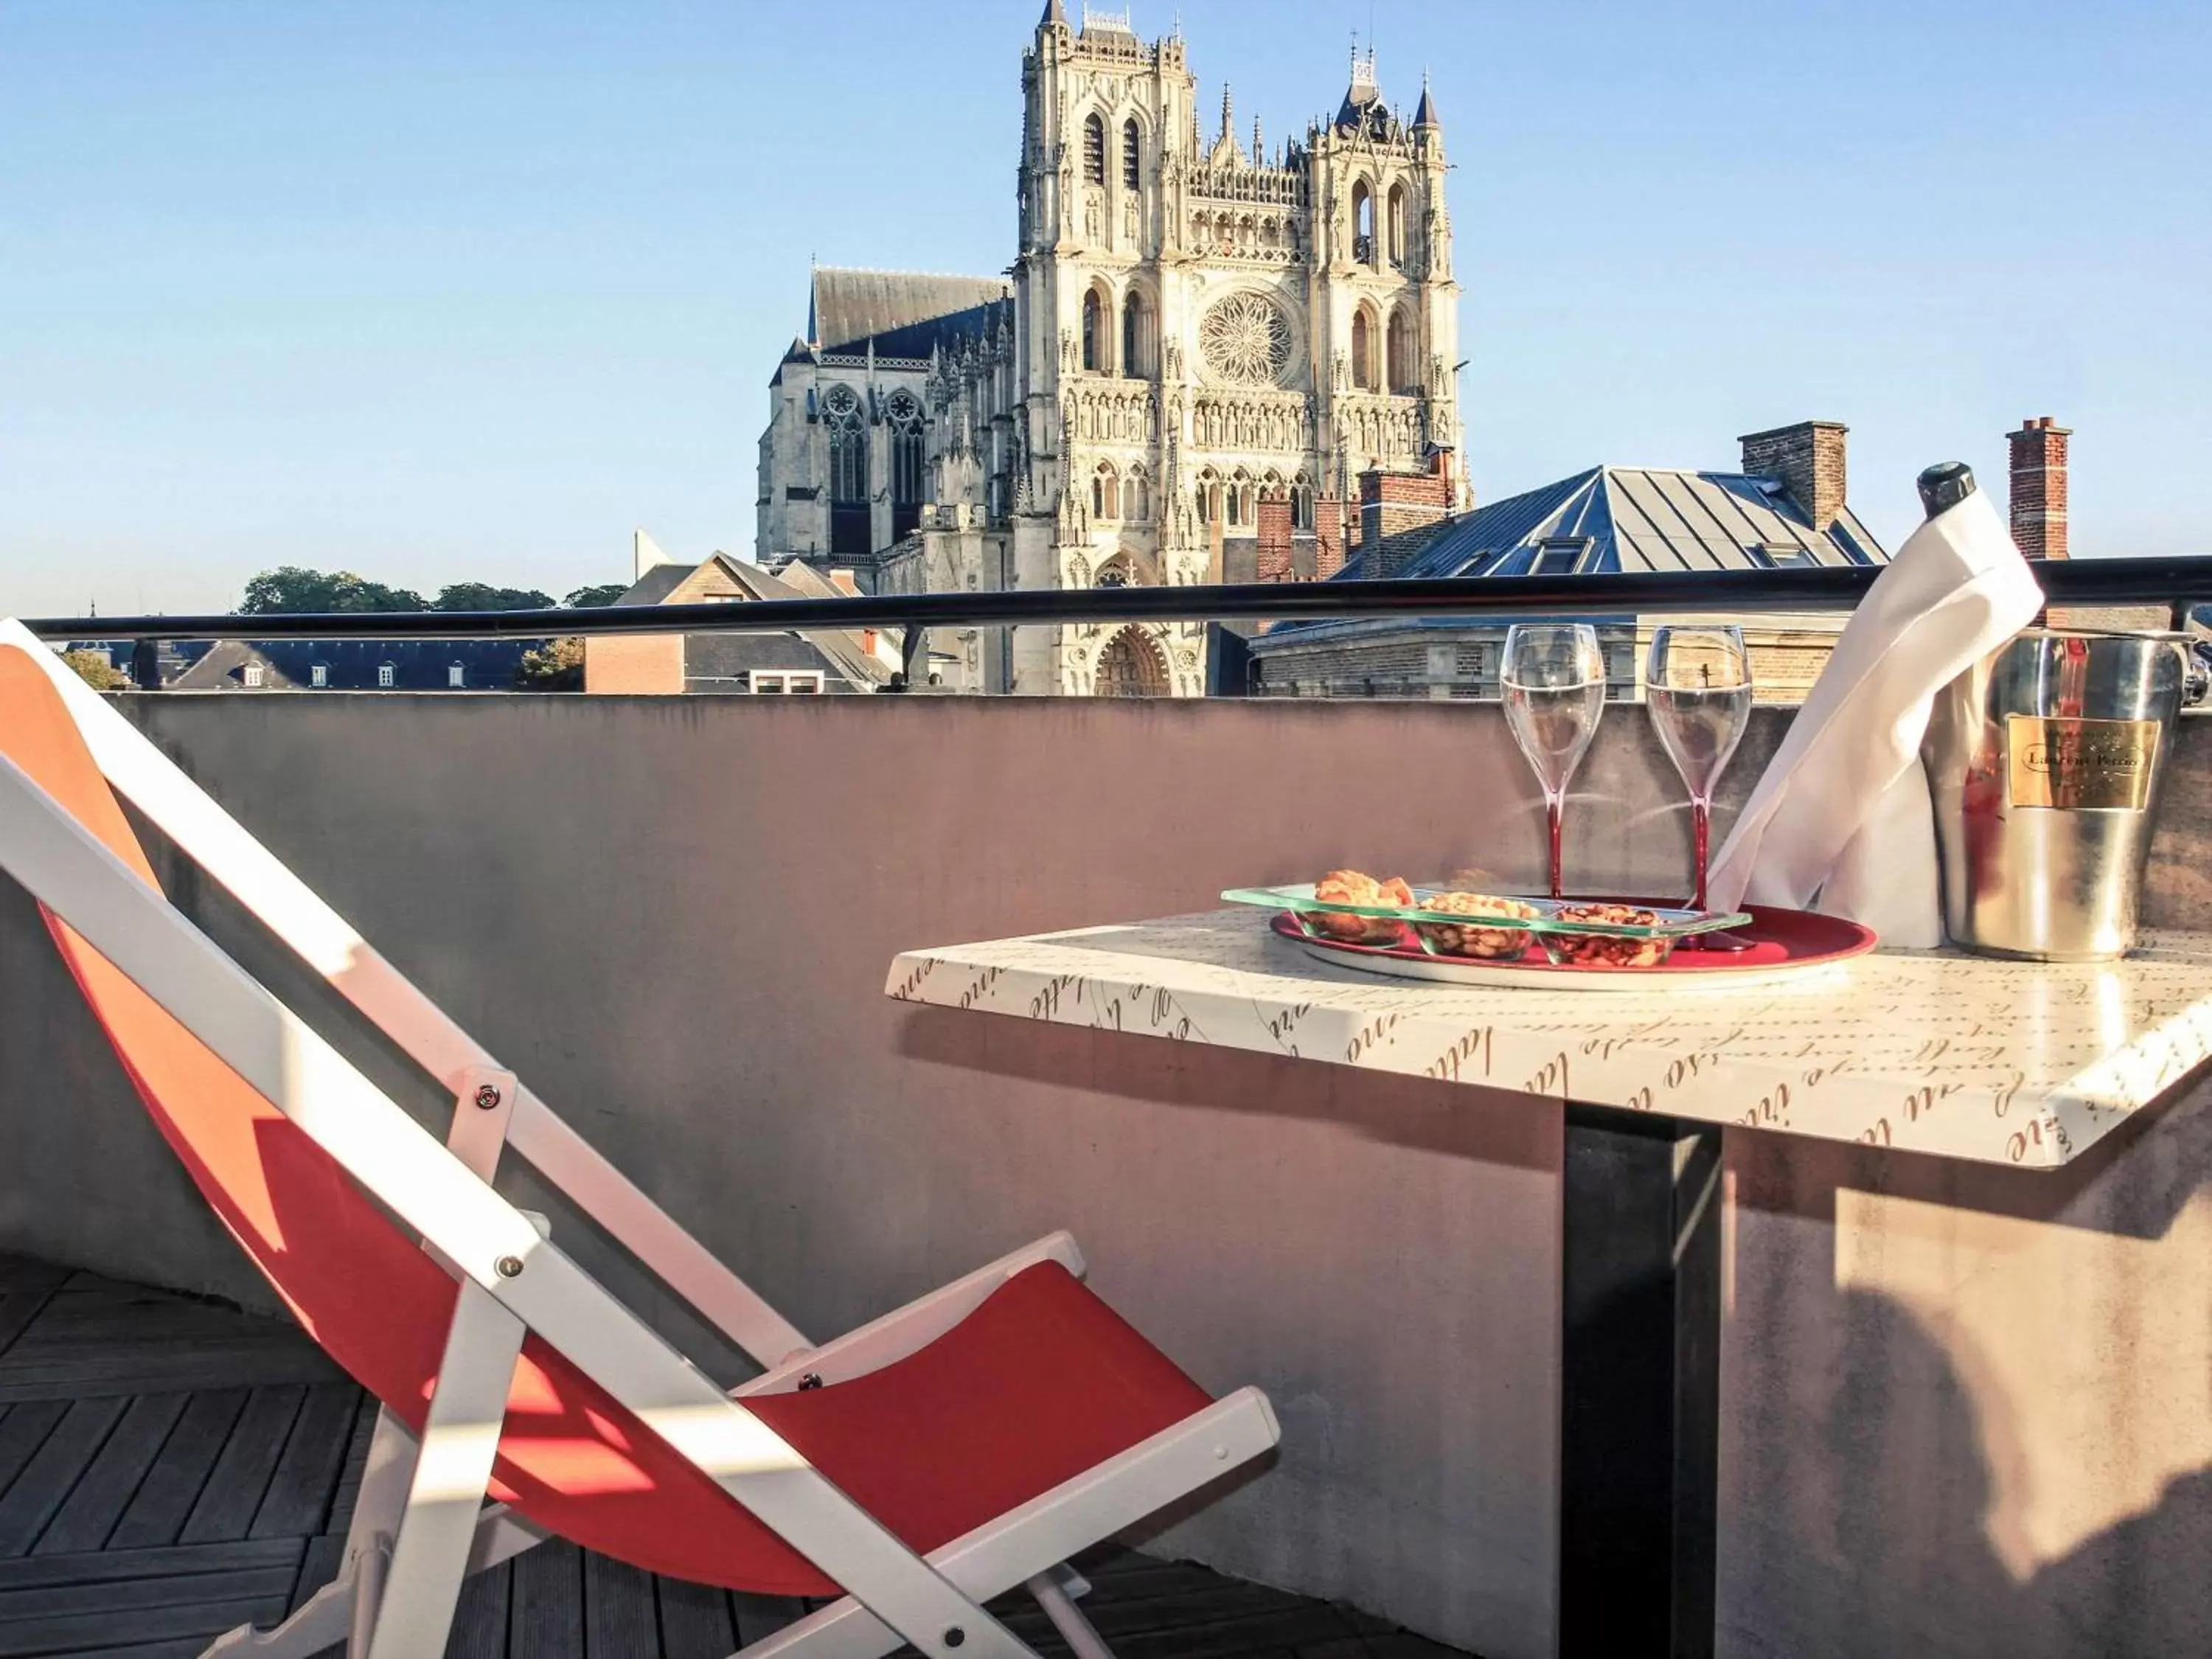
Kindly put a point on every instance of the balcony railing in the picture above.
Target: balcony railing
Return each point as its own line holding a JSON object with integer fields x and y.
{"x": 2177, "y": 583}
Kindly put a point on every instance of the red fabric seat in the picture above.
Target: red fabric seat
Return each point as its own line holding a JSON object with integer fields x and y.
{"x": 1040, "y": 1383}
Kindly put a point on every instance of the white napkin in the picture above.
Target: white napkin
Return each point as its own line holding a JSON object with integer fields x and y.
{"x": 1841, "y": 821}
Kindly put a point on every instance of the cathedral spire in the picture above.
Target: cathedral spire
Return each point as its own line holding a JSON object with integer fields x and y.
{"x": 1052, "y": 14}
{"x": 1228, "y": 117}
{"x": 1425, "y": 113}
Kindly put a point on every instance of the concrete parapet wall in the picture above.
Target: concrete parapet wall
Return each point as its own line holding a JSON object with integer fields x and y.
{"x": 1966, "y": 1410}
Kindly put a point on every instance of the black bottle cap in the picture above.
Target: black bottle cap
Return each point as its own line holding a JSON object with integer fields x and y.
{"x": 1945, "y": 485}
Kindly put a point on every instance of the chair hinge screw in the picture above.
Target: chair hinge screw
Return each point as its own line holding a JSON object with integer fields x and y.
{"x": 955, "y": 1637}
{"x": 487, "y": 1097}
{"x": 510, "y": 1266}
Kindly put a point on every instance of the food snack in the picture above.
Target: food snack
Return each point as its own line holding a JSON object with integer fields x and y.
{"x": 1488, "y": 942}
{"x": 1351, "y": 887}
{"x": 1606, "y": 949}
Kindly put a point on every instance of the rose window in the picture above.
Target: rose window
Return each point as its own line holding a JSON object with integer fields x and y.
{"x": 1246, "y": 338}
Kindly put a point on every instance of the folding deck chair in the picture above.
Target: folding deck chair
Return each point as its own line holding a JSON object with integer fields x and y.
{"x": 966, "y": 1444}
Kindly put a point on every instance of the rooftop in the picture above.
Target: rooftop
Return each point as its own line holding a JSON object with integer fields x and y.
{"x": 1633, "y": 518}
{"x": 903, "y": 314}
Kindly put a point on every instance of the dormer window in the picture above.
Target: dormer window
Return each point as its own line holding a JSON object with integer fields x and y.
{"x": 387, "y": 675}
{"x": 1560, "y": 556}
{"x": 255, "y": 677}
{"x": 456, "y": 677}
{"x": 320, "y": 675}
{"x": 1784, "y": 555}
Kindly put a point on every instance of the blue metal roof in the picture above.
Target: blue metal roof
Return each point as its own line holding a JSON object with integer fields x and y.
{"x": 1629, "y": 518}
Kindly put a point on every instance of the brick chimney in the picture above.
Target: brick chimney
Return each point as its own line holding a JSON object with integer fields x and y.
{"x": 1807, "y": 458}
{"x": 1391, "y": 502}
{"x": 1273, "y": 555}
{"x": 2038, "y": 488}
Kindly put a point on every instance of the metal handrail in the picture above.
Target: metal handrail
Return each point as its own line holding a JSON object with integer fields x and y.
{"x": 2174, "y": 582}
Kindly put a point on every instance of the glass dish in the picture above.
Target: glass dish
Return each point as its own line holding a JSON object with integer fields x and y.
{"x": 1594, "y": 934}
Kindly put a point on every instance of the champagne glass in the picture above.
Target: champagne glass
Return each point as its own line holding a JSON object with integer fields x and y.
{"x": 1554, "y": 681}
{"x": 1698, "y": 686}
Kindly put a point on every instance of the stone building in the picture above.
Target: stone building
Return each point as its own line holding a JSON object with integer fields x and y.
{"x": 1202, "y": 339}
{"x": 1785, "y": 508}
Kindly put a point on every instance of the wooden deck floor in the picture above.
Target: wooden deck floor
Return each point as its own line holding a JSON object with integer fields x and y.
{"x": 170, "y": 1468}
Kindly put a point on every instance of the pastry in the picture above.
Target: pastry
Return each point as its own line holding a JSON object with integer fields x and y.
{"x": 1351, "y": 887}
{"x": 1488, "y": 942}
{"x": 1607, "y": 950}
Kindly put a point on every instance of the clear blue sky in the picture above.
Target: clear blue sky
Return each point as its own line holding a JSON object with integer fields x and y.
{"x": 447, "y": 292}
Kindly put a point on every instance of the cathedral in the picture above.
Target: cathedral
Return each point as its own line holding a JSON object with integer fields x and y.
{"x": 1200, "y": 345}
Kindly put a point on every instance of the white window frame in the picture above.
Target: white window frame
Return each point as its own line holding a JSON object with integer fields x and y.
{"x": 388, "y": 675}
{"x": 793, "y": 682}
{"x": 255, "y": 677}
{"x": 456, "y": 677}
{"x": 319, "y": 675}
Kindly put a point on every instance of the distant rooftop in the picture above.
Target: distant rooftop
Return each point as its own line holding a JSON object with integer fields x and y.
{"x": 1640, "y": 519}
{"x": 903, "y": 311}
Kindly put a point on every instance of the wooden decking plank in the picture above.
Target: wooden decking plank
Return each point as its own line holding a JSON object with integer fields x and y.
{"x": 157, "y": 1512}
{"x": 299, "y": 1497}
{"x": 547, "y": 1616}
{"x": 621, "y": 1621}
{"x": 123, "y": 1594}
{"x": 20, "y": 1272}
{"x": 22, "y": 1432}
{"x": 106, "y": 1633}
{"x": 17, "y": 1310}
{"x": 356, "y": 1463}
{"x": 101, "y": 1496}
{"x": 240, "y": 1478}
{"x": 184, "y": 1368}
{"x": 101, "y": 1566}
{"x": 480, "y": 1622}
{"x": 53, "y": 1472}
{"x": 1230, "y": 1639}
{"x": 318, "y": 1564}
{"x": 696, "y": 1622}
{"x": 763, "y": 1615}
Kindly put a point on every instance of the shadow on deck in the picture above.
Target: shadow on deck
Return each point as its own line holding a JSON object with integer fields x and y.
{"x": 170, "y": 1468}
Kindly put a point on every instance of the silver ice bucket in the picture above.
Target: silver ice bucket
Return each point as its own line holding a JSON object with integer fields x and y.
{"x": 2043, "y": 760}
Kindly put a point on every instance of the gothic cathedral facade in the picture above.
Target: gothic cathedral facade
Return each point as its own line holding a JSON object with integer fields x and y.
{"x": 1200, "y": 345}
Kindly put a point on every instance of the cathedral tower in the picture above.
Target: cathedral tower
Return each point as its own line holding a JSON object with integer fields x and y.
{"x": 1208, "y": 341}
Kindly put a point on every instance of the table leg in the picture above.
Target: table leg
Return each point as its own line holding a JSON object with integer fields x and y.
{"x": 1639, "y": 1385}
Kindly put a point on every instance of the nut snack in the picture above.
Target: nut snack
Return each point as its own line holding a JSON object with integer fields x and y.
{"x": 1351, "y": 887}
{"x": 1606, "y": 949}
{"x": 1487, "y": 940}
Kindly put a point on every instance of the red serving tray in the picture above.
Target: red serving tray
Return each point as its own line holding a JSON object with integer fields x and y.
{"x": 1780, "y": 939}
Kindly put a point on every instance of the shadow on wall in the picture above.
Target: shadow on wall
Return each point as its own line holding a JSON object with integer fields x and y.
{"x": 1897, "y": 1554}
{"x": 1967, "y": 1406}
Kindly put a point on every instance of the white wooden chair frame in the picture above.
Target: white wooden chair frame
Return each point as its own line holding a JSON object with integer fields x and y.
{"x": 421, "y": 1524}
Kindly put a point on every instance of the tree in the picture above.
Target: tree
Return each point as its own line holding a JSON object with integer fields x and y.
{"x": 95, "y": 669}
{"x": 290, "y": 590}
{"x": 556, "y": 666}
{"x": 479, "y": 596}
{"x": 604, "y": 593}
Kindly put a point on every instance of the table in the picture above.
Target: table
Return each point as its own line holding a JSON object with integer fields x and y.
{"x": 2020, "y": 1063}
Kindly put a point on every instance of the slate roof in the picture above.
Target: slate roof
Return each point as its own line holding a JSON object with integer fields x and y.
{"x": 353, "y": 664}
{"x": 1643, "y": 518}
{"x": 903, "y": 313}
{"x": 1610, "y": 520}
{"x": 837, "y": 652}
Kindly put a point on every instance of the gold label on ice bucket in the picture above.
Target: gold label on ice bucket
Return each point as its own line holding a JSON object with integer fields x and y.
{"x": 2086, "y": 765}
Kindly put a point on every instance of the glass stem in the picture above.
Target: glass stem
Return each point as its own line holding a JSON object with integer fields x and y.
{"x": 1701, "y": 824}
{"x": 1554, "y": 807}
